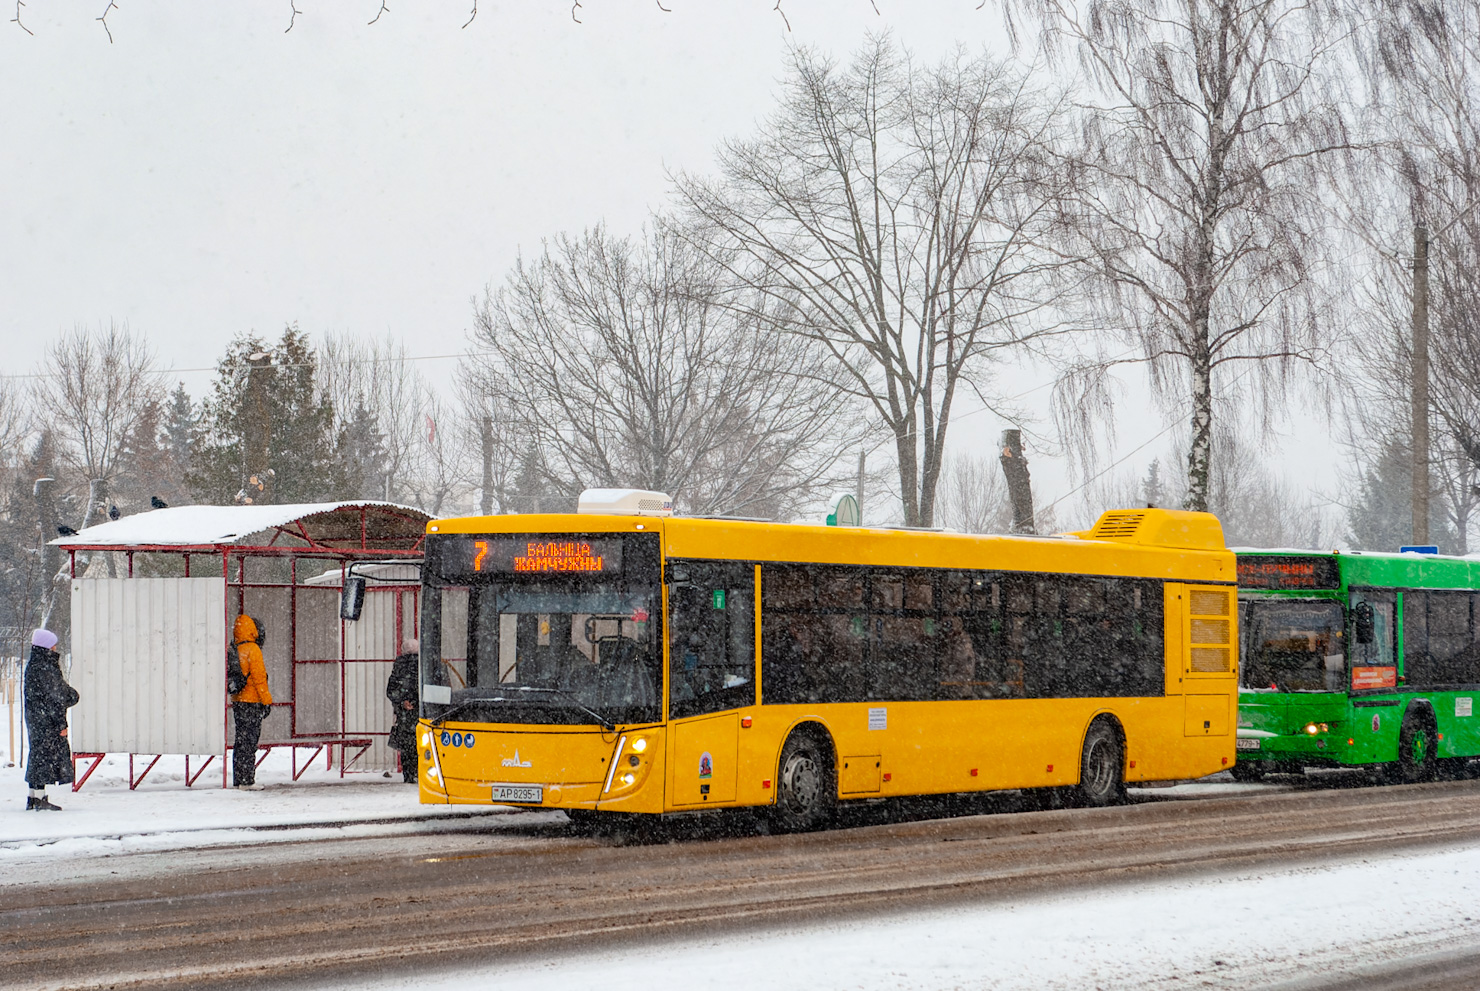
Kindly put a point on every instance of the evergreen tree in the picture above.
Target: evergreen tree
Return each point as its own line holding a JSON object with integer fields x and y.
{"x": 181, "y": 428}
{"x": 23, "y": 571}
{"x": 267, "y": 435}
{"x": 359, "y": 457}
{"x": 1151, "y": 487}
{"x": 156, "y": 456}
{"x": 1381, "y": 519}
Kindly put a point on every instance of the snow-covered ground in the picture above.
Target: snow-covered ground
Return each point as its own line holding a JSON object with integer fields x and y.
{"x": 1236, "y": 930}
{"x": 105, "y": 817}
{"x": 1233, "y": 930}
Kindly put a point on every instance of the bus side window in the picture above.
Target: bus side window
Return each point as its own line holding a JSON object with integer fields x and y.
{"x": 1449, "y": 636}
{"x": 1379, "y": 651}
{"x": 904, "y": 627}
{"x": 1464, "y": 669}
{"x": 1415, "y": 637}
{"x": 711, "y": 645}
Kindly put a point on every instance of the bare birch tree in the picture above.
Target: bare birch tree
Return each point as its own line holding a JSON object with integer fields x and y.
{"x": 626, "y": 369}
{"x": 1209, "y": 123}
{"x": 96, "y": 387}
{"x": 895, "y": 215}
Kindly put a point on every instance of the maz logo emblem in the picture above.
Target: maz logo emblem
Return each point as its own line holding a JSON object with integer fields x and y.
{"x": 516, "y": 762}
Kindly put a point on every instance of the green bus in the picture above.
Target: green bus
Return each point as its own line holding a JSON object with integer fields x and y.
{"x": 1357, "y": 660}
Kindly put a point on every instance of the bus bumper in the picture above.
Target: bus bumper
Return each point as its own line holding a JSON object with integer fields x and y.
{"x": 559, "y": 767}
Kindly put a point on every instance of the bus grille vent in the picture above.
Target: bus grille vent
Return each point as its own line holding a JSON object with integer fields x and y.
{"x": 651, "y": 504}
{"x": 1114, "y": 526}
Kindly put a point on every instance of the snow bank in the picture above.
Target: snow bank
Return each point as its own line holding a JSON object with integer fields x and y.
{"x": 1228, "y": 931}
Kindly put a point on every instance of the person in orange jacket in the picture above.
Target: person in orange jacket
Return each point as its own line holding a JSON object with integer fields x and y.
{"x": 250, "y": 705}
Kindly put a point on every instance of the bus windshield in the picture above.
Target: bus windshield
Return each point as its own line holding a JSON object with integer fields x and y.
{"x": 548, "y": 652}
{"x": 542, "y": 628}
{"x": 1294, "y": 647}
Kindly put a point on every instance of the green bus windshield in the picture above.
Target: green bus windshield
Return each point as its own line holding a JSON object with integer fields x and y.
{"x": 1294, "y": 646}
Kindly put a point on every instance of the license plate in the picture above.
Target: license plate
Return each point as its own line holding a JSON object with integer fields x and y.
{"x": 1247, "y": 744}
{"x": 530, "y": 794}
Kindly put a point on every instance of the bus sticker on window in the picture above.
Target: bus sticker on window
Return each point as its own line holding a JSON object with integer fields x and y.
{"x": 1464, "y": 707}
{"x": 1384, "y": 677}
{"x": 878, "y": 719}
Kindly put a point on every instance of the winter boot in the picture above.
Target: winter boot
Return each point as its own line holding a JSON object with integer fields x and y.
{"x": 34, "y": 804}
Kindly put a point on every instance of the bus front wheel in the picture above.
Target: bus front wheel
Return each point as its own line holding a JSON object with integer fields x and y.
{"x": 1101, "y": 775}
{"x": 806, "y": 789}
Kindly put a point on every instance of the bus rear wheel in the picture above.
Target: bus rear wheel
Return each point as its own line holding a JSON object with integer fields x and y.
{"x": 1416, "y": 758}
{"x": 1101, "y": 774}
{"x": 806, "y": 788}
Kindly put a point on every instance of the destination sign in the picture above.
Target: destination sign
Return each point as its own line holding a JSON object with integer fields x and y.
{"x": 1287, "y": 571}
{"x": 529, "y": 556}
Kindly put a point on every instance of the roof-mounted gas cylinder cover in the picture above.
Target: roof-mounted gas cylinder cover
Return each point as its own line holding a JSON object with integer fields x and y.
{"x": 625, "y": 502}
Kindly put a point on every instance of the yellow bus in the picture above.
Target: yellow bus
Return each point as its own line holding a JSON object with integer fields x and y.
{"x": 623, "y": 659}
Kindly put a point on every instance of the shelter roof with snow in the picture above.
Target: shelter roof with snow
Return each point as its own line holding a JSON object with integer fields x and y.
{"x": 349, "y": 528}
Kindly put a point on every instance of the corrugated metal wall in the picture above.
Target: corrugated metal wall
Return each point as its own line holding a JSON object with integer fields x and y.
{"x": 316, "y": 679}
{"x": 370, "y": 647}
{"x": 148, "y": 660}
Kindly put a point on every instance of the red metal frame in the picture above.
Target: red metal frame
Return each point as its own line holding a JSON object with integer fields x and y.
{"x": 77, "y": 782}
{"x": 191, "y": 779}
{"x": 132, "y": 781}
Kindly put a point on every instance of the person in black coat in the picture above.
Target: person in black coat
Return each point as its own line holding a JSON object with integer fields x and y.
{"x": 401, "y": 689}
{"x": 48, "y": 697}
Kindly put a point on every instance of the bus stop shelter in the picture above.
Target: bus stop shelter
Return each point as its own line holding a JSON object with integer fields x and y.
{"x": 154, "y": 597}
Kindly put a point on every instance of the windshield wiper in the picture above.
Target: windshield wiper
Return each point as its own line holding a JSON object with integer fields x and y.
{"x": 467, "y": 703}
{"x": 569, "y": 697}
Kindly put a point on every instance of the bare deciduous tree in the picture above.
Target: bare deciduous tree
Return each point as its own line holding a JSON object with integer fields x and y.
{"x": 421, "y": 465}
{"x": 895, "y": 215}
{"x": 96, "y": 386}
{"x": 972, "y": 496}
{"x": 625, "y": 369}
{"x": 1424, "y": 67}
{"x": 1202, "y": 194}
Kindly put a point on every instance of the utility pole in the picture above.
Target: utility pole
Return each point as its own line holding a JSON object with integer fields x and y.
{"x": 485, "y": 437}
{"x": 1420, "y": 411}
{"x": 257, "y": 443}
{"x": 858, "y": 494}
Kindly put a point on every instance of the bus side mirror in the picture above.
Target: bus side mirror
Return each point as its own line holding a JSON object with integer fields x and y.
{"x": 352, "y": 598}
{"x": 1365, "y": 622}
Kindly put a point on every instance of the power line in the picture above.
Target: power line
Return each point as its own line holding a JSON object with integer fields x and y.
{"x": 229, "y": 368}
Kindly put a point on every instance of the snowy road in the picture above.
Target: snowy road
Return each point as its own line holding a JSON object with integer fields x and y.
{"x": 1387, "y": 875}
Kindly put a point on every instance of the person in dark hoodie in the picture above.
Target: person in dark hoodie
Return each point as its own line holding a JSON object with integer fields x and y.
{"x": 48, "y": 697}
{"x": 401, "y": 689}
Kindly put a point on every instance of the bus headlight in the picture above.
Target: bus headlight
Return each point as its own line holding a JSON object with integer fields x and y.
{"x": 640, "y": 744}
{"x": 1314, "y": 728}
{"x": 628, "y": 779}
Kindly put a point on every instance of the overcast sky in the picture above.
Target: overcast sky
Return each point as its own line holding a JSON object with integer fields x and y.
{"x": 206, "y": 173}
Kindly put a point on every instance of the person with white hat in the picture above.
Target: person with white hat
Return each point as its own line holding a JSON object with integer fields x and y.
{"x": 48, "y": 697}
